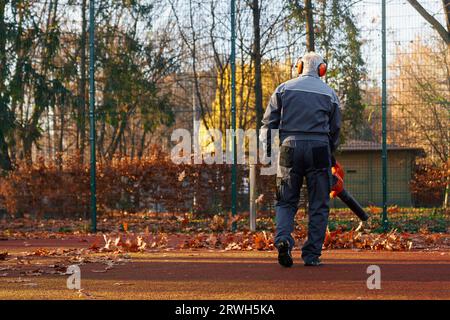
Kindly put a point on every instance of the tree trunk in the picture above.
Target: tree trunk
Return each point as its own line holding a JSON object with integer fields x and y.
{"x": 82, "y": 84}
{"x": 257, "y": 62}
{"x": 117, "y": 138}
{"x": 446, "y": 5}
{"x": 309, "y": 26}
{"x": 142, "y": 145}
{"x": 61, "y": 134}
{"x": 5, "y": 160}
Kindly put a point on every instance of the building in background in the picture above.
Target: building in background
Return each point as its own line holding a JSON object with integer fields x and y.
{"x": 362, "y": 164}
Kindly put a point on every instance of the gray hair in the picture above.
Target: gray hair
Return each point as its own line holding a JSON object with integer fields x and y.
{"x": 311, "y": 62}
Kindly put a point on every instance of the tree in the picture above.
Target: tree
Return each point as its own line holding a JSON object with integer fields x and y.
{"x": 443, "y": 33}
{"x": 131, "y": 73}
{"x": 420, "y": 101}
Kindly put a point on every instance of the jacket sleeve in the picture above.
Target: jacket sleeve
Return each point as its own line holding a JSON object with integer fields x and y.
{"x": 271, "y": 120}
{"x": 335, "y": 123}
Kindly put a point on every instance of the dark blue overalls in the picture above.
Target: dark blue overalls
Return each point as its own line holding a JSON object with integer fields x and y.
{"x": 306, "y": 112}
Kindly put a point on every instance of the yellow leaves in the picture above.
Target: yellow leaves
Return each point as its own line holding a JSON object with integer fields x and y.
{"x": 273, "y": 74}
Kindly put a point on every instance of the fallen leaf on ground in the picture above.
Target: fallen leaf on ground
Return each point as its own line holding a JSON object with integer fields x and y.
{"x": 41, "y": 252}
{"x": 19, "y": 280}
{"x": 30, "y": 284}
{"x": 82, "y": 293}
{"x": 33, "y": 273}
{"x": 123, "y": 284}
{"x": 375, "y": 210}
{"x": 5, "y": 268}
{"x": 262, "y": 242}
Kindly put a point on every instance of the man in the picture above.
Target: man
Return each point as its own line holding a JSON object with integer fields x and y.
{"x": 306, "y": 112}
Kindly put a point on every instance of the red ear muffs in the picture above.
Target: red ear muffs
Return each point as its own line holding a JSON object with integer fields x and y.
{"x": 299, "y": 67}
{"x": 322, "y": 69}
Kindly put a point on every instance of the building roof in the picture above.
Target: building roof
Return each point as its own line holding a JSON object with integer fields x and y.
{"x": 364, "y": 145}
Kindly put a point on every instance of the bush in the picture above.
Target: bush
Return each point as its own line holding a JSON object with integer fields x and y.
{"x": 428, "y": 186}
{"x": 132, "y": 185}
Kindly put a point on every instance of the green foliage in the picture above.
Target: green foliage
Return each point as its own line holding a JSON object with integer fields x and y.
{"x": 409, "y": 221}
{"x": 40, "y": 76}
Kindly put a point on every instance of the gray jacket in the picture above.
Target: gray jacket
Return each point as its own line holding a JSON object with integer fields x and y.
{"x": 304, "y": 106}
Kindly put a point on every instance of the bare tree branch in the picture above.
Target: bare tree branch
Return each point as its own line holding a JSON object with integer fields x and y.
{"x": 445, "y": 35}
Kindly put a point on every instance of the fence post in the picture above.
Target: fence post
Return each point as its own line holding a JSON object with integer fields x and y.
{"x": 252, "y": 208}
{"x": 384, "y": 154}
{"x": 233, "y": 111}
{"x": 92, "y": 116}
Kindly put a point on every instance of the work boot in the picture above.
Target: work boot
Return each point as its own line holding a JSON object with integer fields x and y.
{"x": 284, "y": 254}
{"x": 315, "y": 262}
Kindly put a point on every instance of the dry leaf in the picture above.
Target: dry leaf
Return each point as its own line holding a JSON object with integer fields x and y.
{"x": 260, "y": 199}
{"x": 41, "y": 252}
{"x": 30, "y": 284}
{"x": 123, "y": 284}
{"x": 375, "y": 210}
{"x": 82, "y": 293}
{"x": 3, "y": 255}
{"x": 19, "y": 280}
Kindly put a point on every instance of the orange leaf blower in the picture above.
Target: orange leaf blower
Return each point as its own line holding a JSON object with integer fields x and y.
{"x": 338, "y": 191}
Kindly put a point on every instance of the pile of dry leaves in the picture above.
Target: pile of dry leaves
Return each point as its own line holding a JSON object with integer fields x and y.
{"x": 392, "y": 241}
{"x": 229, "y": 241}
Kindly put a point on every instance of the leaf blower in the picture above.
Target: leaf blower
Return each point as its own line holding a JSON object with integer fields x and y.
{"x": 338, "y": 190}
